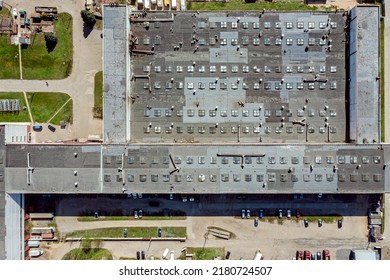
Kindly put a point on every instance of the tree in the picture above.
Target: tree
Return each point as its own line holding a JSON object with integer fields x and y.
{"x": 88, "y": 17}
{"x": 51, "y": 41}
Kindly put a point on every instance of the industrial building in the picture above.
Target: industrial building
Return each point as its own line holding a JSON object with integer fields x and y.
{"x": 219, "y": 102}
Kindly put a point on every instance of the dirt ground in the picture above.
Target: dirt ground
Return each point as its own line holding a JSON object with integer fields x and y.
{"x": 276, "y": 241}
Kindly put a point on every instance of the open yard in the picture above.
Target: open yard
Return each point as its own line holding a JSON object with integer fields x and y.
{"x": 43, "y": 105}
{"x": 38, "y": 63}
{"x": 9, "y": 62}
{"x": 98, "y": 95}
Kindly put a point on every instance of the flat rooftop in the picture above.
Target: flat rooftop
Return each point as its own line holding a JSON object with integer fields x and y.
{"x": 197, "y": 168}
{"x": 242, "y": 77}
{"x": 115, "y": 74}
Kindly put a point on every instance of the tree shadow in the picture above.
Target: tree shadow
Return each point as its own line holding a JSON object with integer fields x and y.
{"x": 87, "y": 29}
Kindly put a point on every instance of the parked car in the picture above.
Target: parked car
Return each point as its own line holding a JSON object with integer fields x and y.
{"x": 51, "y": 128}
{"x": 261, "y": 213}
{"x": 37, "y": 128}
{"x": 140, "y": 212}
{"x": 319, "y": 255}
{"x": 134, "y": 195}
{"x": 227, "y": 255}
{"x": 256, "y": 222}
{"x": 191, "y": 199}
{"x": 288, "y": 214}
{"x": 243, "y": 214}
{"x": 171, "y": 196}
{"x": 138, "y": 255}
{"x": 139, "y": 195}
{"x": 143, "y": 255}
{"x": 307, "y": 255}
{"x": 184, "y": 198}
{"x": 306, "y": 222}
{"x": 135, "y": 214}
{"x": 248, "y": 214}
{"x": 15, "y": 12}
{"x": 125, "y": 232}
{"x": 280, "y": 215}
{"x": 313, "y": 257}
{"x": 298, "y": 213}
{"x": 320, "y": 222}
{"x": 340, "y": 223}
{"x": 159, "y": 232}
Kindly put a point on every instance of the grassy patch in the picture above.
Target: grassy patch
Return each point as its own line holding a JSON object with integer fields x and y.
{"x": 22, "y": 116}
{"x": 88, "y": 254}
{"x": 325, "y": 219}
{"x": 66, "y": 114}
{"x": 98, "y": 96}
{"x": 39, "y": 64}
{"x": 5, "y": 12}
{"x": 126, "y": 218}
{"x": 235, "y": 5}
{"x": 44, "y": 104}
{"x": 205, "y": 253}
{"x": 136, "y": 232}
{"x": 9, "y": 62}
{"x": 382, "y": 85}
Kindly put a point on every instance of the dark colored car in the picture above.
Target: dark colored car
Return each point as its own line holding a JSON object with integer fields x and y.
{"x": 306, "y": 222}
{"x": 125, "y": 232}
{"x": 227, "y": 255}
{"x": 261, "y": 213}
{"x": 313, "y": 257}
{"x": 138, "y": 255}
{"x": 256, "y": 222}
{"x": 159, "y": 232}
{"x": 319, "y": 255}
{"x": 340, "y": 223}
{"x": 37, "y": 128}
{"x": 51, "y": 128}
{"x": 320, "y": 222}
{"x": 143, "y": 255}
{"x": 298, "y": 213}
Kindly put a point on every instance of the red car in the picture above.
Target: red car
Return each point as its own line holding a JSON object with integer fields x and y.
{"x": 298, "y": 213}
{"x": 307, "y": 255}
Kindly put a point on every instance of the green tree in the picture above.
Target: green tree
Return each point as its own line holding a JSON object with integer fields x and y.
{"x": 51, "y": 41}
{"x": 88, "y": 17}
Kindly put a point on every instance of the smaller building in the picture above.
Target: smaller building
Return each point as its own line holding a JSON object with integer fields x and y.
{"x": 363, "y": 255}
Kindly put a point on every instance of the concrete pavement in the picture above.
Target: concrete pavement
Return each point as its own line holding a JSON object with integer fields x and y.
{"x": 87, "y": 61}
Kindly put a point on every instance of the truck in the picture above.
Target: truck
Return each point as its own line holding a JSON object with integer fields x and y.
{"x": 33, "y": 243}
{"x": 258, "y": 256}
{"x": 35, "y": 253}
{"x": 172, "y": 255}
{"x": 22, "y": 18}
{"x": 165, "y": 253}
{"x": 326, "y": 255}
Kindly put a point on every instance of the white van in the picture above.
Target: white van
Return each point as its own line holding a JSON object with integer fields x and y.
{"x": 165, "y": 253}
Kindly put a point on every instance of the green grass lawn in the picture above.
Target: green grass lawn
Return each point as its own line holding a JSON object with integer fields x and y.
{"x": 382, "y": 54}
{"x": 44, "y": 104}
{"x": 66, "y": 114}
{"x": 136, "y": 232}
{"x": 205, "y": 253}
{"x": 9, "y": 62}
{"x": 126, "y": 218}
{"x": 22, "y": 116}
{"x": 235, "y": 5}
{"x": 88, "y": 254}
{"x": 39, "y": 64}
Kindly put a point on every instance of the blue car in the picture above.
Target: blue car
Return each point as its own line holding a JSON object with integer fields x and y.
{"x": 261, "y": 213}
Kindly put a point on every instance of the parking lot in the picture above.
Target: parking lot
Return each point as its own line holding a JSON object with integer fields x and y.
{"x": 275, "y": 238}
